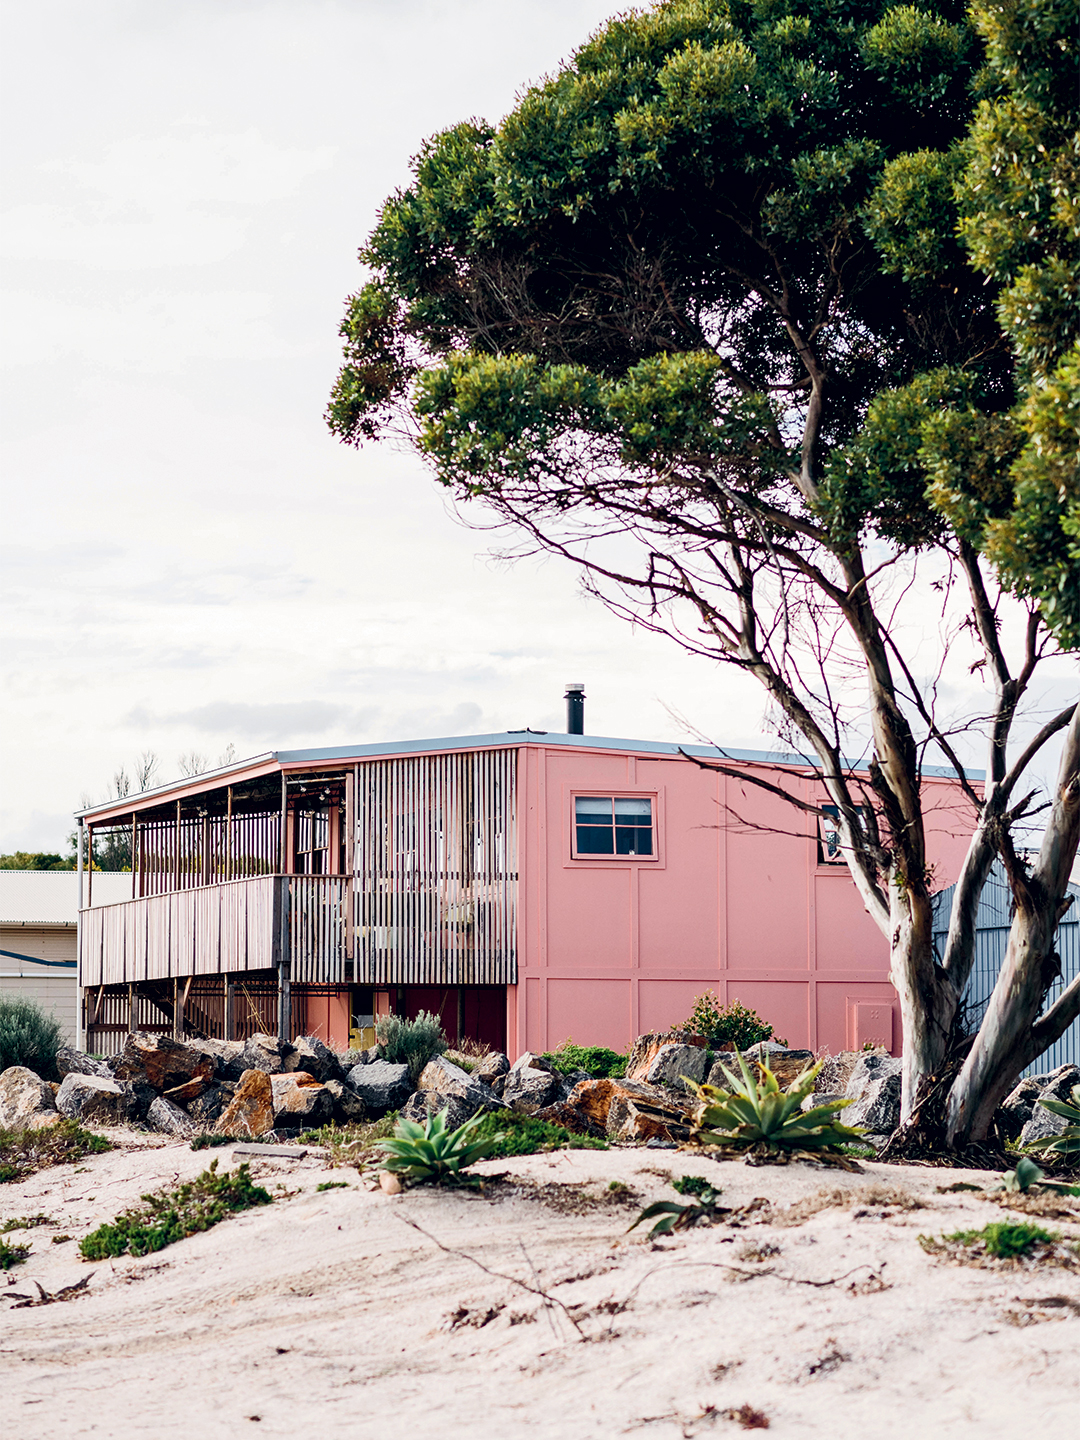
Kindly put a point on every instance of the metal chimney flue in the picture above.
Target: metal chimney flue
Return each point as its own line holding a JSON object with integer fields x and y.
{"x": 575, "y": 708}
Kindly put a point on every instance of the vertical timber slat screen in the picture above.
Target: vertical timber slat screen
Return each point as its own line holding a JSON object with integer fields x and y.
{"x": 436, "y": 870}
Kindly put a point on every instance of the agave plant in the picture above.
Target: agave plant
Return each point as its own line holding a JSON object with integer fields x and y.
{"x": 680, "y": 1217}
{"x": 757, "y": 1117}
{"x": 1068, "y": 1142}
{"x": 1028, "y": 1176}
{"x": 429, "y": 1154}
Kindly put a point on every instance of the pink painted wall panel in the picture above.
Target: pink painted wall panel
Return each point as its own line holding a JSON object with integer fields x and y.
{"x": 784, "y": 1004}
{"x": 664, "y": 1003}
{"x": 588, "y": 917}
{"x": 766, "y": 881}
{"x": 593, "y": 1012}
{"x": 836, "y": 1007}
{"x": 847, "y": 938}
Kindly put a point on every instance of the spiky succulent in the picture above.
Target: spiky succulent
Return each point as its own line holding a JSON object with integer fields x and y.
{"x": 755, "y": 1115}
{"x": 431, "y": 1154}
{"x": 1068, "y": 1142}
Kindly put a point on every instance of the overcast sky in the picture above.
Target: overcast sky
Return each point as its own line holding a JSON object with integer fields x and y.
{"x": 191, "y": 561}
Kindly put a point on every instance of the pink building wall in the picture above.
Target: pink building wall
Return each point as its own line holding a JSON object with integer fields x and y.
{"x": 609, "y": 948}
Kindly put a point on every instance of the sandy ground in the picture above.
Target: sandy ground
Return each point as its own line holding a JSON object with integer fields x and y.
{"x": 326, "y": 1310}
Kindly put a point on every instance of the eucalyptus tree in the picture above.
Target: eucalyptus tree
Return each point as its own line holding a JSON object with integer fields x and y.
{"x": 685, "y": 317}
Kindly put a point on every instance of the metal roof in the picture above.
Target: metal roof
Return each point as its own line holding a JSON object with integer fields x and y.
{"x": 51, "y": 897}
{"x": 273, "y": 759}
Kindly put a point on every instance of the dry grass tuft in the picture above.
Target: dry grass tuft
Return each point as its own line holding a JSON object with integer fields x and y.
{"x": 881, "y": 1198}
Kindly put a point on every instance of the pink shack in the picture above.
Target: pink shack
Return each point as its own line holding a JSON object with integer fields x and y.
{"x": 527, "y": 887}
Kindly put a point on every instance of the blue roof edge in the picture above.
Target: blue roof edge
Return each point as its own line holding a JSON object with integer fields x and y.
{"x": 584, "y": 742}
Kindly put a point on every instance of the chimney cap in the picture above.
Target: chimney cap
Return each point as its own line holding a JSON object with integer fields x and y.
{"x": 575, "y": 685}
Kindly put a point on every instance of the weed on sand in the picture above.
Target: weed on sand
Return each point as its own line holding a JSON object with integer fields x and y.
{"x": 24, "y": 1151}
{"x": 171, "y": 1215}
{"x": 1004, "y": 1244}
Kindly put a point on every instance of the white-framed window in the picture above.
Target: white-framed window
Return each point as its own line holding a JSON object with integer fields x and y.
{"x": 614, "y": 826}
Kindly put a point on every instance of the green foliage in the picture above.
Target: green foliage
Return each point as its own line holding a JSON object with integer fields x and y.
{"x": 670, "y": 1216}
{"x": 24, "y": 1151}
{"x": 756, "y": 1115}
{"x": 209, "y": 1141}
{"x": 331, "y": 1185}
{"x": 411, "y": 1042}
{"x": 12, "y": 1254}
{"x": 512, "y": 1133}
{"x": 1028, "y": 1176}
{"x": 34, "y": 860}
{"x": 24, "y": 1222}
{"x": 600, "y": 1062}
{"x": 348, "y": 1143}
{"x": 734, "y": 1024}
{"x": 429, "y": 1154}
{"x": 29, "y": 1036}
{"x": 171, "y": 1215}
{"x": 1068, "y": 1142}
{"x": 1004, "y": 1239}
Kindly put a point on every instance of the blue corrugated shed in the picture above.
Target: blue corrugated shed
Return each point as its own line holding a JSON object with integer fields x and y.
{"x": 992, "y": 924}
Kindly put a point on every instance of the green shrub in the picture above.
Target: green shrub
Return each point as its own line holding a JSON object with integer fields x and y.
{"x": 29, "y": 1036}
{"x": 516, "y": 1134}
{"x": 24, "y": 1151}
{"x": 12, "y": 1254}
{"x": 172, "y": 1215}
{"x": 756, "y": 1115}
{"x": 600, "y": 1062}
{"x": 1005, "y": 1240}
{"x": 429, "y": 1154}
{"x": 411, "y": 1042}
{"x": 735, "y": 1024}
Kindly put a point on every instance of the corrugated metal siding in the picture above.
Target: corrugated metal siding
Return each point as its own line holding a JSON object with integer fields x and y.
{"x": 54, "y": 989}
{"x": 992, "y": 924}
{"x": 436, "y": 867}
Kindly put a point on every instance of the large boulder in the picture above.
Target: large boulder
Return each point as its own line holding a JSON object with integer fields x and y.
{"x": 381, "y": 1085}
{"x": 642, "y": 1054}
{"x": 250, "y": 1113}
{"x": 205, "y": 1110}
{"x": 300, "y": 1101}
{"x": 169, "y": 1119}
{"x": 349, "y": 1109}
{"x": 441, "y": 1077}
{"x": 315, "y": 1058}
{"x": 786, "y": 1064}
{"x": 70, "y": 1061}
{"x": 94, "y": 1100}
{"x": 227, "y": 1055}
{"x": 531, "y": 1084}
{"x": 265, "y": 1052}
{"x": 672, "y": 1065}
{"x": 1044, "y": 1125}
{"x": 423, "y": 1103}
{"x": 875, "y": 1086}
{"x": 1016, "y": 1109}
{"x": 26, "y": 1101}
{"x": 628, "y": 1110}
{"x": 165, "y": 1065}
{"x": 491, "y": 1066}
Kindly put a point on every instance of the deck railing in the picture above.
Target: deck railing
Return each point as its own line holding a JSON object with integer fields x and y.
{"x": 320, "y": 925}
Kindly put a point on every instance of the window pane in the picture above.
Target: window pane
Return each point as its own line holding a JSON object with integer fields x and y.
{"x": 594, "y": 840}
{"x": 633, "y": 840}
{"x": 633, "y": 812}
{"x": 592, "y": 810}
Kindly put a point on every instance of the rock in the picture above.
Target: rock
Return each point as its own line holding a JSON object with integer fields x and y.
{"x": 94, "y": 1100}
{"x": 426, "y": 1102}
{"x": 442, "y": 1077}
{"x": 348, "y": 1058}
{"x": 265, "y": 1052}
{"x": 163, "y": 1064}
{"x": 529, "y": 1089}
{"x": 169, "y": 1119}
{"x": 1044, "y": 1124}
{"x": 824, "y": 1097}
{"x": 250, "y": 1113}
{"x": 205, "y": 1109}
{"x": 1016, "y": 1109}
{"x": 836, "y": 1071}
{"x": 300, "y": 1101}
{"x": 642, "y": 1054}
{"x": 671, "y": 1063}
{"x": 227, "y": 1055}
{"x": 875, "y": 1084}
{"x": 629, "y": 1109}
{"x": 349, "y": 1109}
{"x": 491, "y": 1066}
{"x": 786, "y": 1065}
{"x": 312, "y": 1056}
{"x": 499, "y": 1085}
{"x": 26, "y": 1101}
{"x": 381, "y": 1085}
{"x": 576, "y": 1121}
{"x": 389, "y": 1183}
{"x": 70, "y": 1061}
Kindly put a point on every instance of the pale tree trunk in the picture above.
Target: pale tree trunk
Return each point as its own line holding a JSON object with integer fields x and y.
{"x": 1011, "y": 1034}
{"x": 927, "y": 999}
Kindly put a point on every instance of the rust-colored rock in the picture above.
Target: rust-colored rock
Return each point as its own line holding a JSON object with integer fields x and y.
{"x": 251, "y": 1111}
{"x": 646, "y": 1048}
{"x": 163, "y": 1064}
{"x": 629, "y": 1110}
